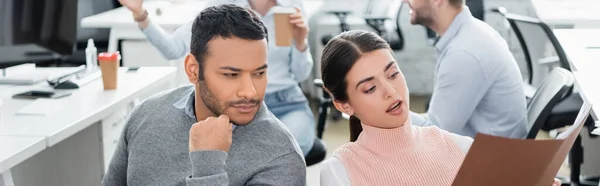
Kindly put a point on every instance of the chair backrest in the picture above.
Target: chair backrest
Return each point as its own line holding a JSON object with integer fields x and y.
{"x": 381, "y": 8}
{"x": 477, "y": 8}
{"x": 539, "y": 44}
{"x": 552, "y": 89}
{"x": 400, "y": 36}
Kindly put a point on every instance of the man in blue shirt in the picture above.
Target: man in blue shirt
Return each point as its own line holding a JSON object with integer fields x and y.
{"x": 478, "y": 85}
{"x": 287, "y": 65}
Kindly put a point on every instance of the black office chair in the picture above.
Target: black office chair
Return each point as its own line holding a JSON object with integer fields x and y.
{"x": 87, "y": 8}
{"x": 394, "y": 37}
{"x": 550, "y": 92}
{"x": 553, "y": 89}
{"x": 527, "y": 29}
{"x": 517, "y": 24}
{"x": 325, "y": 100}
{"x": 477, "y": 8}
{"x": 324, "y": 103}
{"x": 341, "y": 15}
{"x": 317, "y": 153}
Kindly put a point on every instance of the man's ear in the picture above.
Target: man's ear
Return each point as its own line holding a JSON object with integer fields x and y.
{"x": 343, "y": 107}
{"x": 191, "y": 68}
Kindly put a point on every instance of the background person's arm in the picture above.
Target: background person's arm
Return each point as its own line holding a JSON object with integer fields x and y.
{"x": 171, "y": 45}
{"x": 301, "y": 63}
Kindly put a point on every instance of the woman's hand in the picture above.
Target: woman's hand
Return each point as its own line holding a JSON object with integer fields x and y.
{"x": 556, "y": 182}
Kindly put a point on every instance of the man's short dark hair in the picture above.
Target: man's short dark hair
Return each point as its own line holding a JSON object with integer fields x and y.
{"x": 225, "y": 21}
{"x": 457, "y": 3}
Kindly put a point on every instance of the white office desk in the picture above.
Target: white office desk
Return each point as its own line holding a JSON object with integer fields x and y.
{"x": 589, "y": 90}
{"x": 14, "y": 150}
{"x": 81, "y": 134}
{"x": 569, "y": 13}
{"x": 582, "y": 47}
{"x": 122, "y": 26}
{"x": 85, "y": 106}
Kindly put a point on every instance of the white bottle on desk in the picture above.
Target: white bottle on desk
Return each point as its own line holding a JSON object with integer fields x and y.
{"x": 91, "y": 55}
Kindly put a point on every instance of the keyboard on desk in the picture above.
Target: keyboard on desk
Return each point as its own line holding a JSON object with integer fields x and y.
{"x": 87, "y": 76}
{"x": 76, "y": 79}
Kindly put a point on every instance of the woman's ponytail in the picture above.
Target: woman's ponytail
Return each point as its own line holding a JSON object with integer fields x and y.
{"x": 355, "y": 128}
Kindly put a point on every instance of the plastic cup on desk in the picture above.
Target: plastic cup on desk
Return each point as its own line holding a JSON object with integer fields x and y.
{"x": 109, "y": 65}
{"x": 283, "y": 27}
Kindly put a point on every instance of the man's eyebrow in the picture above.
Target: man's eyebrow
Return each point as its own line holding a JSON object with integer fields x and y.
{"x": 262, "y": 67}
{"x": 231, "y": 68}
{"x": 389, "y": 65}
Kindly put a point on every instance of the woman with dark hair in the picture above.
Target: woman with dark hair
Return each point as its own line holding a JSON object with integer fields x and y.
{"x": 360, "y": 73}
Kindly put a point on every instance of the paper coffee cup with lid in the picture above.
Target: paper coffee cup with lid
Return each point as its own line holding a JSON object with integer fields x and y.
{"x": 283, "y": 27}
{"x": 109, "y": 65}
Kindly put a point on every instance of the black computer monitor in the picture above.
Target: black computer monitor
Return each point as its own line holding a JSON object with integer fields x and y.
{"x": 32, "y": 30}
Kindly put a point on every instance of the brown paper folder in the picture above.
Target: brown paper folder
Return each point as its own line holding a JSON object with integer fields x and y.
{"x": 502, "y": 161}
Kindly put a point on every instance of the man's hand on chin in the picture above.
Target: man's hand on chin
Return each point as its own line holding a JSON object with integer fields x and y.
{"x": 211, "y": 134}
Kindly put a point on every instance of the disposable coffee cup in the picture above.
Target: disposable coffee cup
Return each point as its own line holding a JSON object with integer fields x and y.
{"x": 109, "y": 65}
{"x": 283, "y": 28}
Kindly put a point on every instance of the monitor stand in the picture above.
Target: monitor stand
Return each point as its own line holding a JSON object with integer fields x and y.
{"x": 39, "y": 54}
{"x": 16, "y": 55}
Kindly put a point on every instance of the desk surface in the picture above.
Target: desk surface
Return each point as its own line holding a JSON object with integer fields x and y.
{"x": 581, "y": 13}
{"x": 74, "y": 113}
{"x": 582, "y": 47}
{"x": 14, "y": 150}
{"x": 172, "y": 15}
{"x": 589, "y": 90}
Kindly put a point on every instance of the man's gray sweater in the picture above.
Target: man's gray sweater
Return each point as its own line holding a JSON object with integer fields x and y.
{"x": 153, "y": 149}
